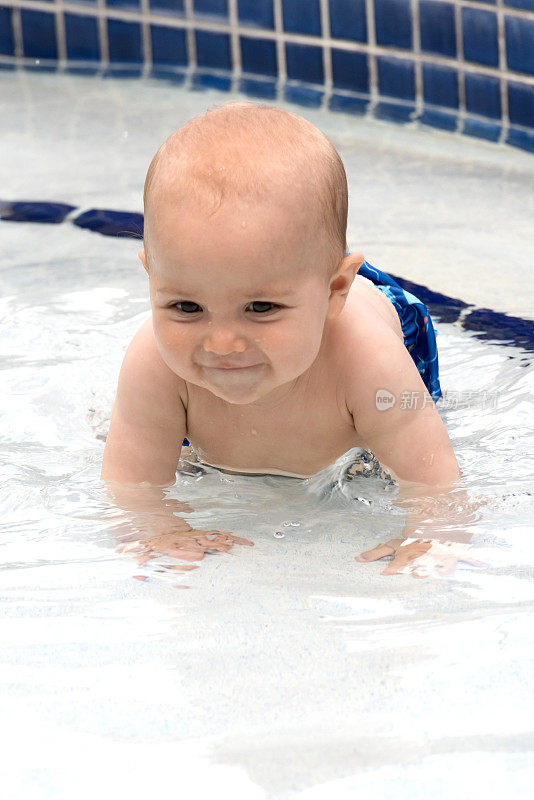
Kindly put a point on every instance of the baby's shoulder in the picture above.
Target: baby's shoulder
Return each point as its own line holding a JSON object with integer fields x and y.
{"x": 146, "y": 375}
{"x": 369, "y": 323}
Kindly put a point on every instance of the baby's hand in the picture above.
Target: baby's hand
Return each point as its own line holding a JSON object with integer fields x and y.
{"x": 420, "y": 557}
{"x": 189, "y": 545}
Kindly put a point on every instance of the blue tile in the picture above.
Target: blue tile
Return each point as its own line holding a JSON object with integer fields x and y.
{"x": 254, "y": 88}
{"x": 302, "y": 16}
{"x": 348, "y": 20}
{"x": 34, "y": 211}
{"x": 7, "y": 45}
{"x": 438, "y": 31}
{"x": 348, "y": 104}
{"x": 122, "y": 224}
{"x": 521, "y": 104}
{"x": 394, "y": 112}
{"x": 123, "y": 71}
{"x": 211, "y": 8}
{"x": 393, "y": 20}
{"x": 258, "y": 56}
{"x": 87, "y": 70}
{"x": 85, "y": 2}
{"x": 483, "y": 95}
{"x": 213, "y": 50}
{"x": 201, "y": 81}
{"x": 124, "y": 41}
{"x": 482, "y": 130}
{"x": 38, "y": 34}
{"x": 496, "y": 326}
{"x": 38, "y": 66}
{"x": 480, "y": 36}
{"x": 305, "y": 63}
{"x": 522, "y": 139}
{"x": 520, "y": 44}
{"x": 256, "y": 12}
{"x": 168, "y": 7}
{"x": 349, "y": 71}
{"x": 172, "y": 75}
{"x": 440, "y": 86}
{"x": 396, "y": 78}
{"x": 439, "y": 119}
{"x": 82, "y": 38}
{"x": 528, "y": 5}
{"x": 303, "y": 95}
{"x": 169, "y": 45}
{"x": 131, "y": 5}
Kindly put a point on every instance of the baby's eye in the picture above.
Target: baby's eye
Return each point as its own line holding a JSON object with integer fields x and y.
{"x": 188, "y": 307}
{"x": 261, "y": 307}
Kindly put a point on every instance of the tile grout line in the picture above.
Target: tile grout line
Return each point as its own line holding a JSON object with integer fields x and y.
{"x": 372, "y": 65}
{"x": 458, "y": 25}
{"x": 18, "y": 40}
{"x": 281, "y": 64}
{"x": 146, "y": 39}
{"x": 103, "y": 33}
{"x": 418, "y": 67}
{"x": 191, "y": 43}
{"x": 327, "y": 55}
{"x": 503, "y": 83}
{"x": 235, "y": 43}
{"x": 61, "y": 38}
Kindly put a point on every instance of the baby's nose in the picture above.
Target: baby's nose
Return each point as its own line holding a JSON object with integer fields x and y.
{"x": 223, "y": 342}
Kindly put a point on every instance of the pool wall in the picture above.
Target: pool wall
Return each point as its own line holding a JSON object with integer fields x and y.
{"x": 459, "y": 65}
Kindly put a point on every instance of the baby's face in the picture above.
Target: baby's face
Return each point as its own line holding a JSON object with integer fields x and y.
{"x": 239, "y": 298}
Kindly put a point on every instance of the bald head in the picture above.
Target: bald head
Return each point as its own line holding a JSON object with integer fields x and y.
{"x": 244, "y": 152}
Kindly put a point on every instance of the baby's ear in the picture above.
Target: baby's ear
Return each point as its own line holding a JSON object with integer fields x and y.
{"x": 356, "y": 260}
{"x": 341, "y": 282}
{"x": 142, "y": 255}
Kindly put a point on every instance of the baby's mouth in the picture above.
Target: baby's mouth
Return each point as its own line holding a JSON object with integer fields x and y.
{"x": 225, "y": 365}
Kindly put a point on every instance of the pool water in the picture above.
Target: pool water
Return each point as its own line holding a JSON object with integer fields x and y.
{"x": 286, "y": 669}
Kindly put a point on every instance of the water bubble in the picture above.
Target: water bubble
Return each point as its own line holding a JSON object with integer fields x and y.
{"x": 290, "y": 524}
{"x": 364, "y": 500}
{"x": 125, "y": 134}
{"x": 279, "y": 534}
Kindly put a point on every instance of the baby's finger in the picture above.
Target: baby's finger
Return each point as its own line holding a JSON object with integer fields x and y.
{"x": 380, "y": 550}
{"x": 406, "y": 557}
{"x": 473, "y": 562}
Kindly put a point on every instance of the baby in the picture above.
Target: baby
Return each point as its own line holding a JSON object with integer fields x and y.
{"x": 271, "y": 348}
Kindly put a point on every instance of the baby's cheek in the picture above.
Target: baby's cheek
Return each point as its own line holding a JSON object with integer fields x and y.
{"x": 173, "y": 342}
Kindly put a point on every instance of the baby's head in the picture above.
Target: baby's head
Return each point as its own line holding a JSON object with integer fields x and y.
{"x": 244, "y": 244}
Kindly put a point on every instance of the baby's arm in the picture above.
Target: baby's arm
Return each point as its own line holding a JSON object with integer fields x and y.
{"x": 408, "y": 436}
{"x": 148, "y": 422}
{"x": 142, "y": 450}
{"x": 411, "y": 441}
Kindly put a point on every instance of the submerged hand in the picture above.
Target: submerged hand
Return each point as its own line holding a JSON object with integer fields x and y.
{"x": 420, "y": 557}
{"x": 189, "y": 545}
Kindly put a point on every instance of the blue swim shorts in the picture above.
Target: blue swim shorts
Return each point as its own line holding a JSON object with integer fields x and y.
{"x": 419, "y": 332}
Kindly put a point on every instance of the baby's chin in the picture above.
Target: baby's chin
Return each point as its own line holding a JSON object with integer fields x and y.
{"x": 241, "y": 387}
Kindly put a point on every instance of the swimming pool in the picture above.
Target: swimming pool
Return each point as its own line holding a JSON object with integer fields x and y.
{"x": 286, "y": 669}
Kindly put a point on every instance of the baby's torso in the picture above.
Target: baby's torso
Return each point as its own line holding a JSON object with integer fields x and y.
{"x": 311, "y": 426}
